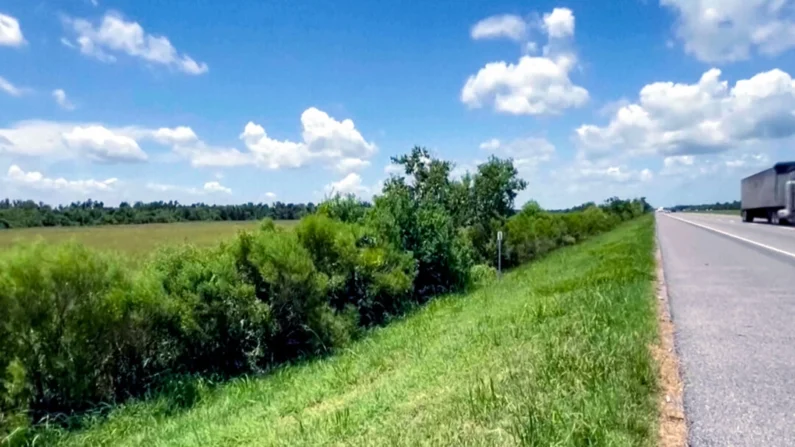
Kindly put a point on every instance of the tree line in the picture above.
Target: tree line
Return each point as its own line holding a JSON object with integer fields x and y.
{"x": 27, "y": 213}
{"x": 735, "y": 205}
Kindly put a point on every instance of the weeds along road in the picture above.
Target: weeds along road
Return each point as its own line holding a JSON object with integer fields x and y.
{"x": 733, "y": 306}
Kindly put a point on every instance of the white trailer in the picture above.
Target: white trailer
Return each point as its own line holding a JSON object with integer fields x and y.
{"x": 769, "y": 194}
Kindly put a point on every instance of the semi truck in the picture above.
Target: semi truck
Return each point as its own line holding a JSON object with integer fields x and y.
{"x": 769, "y": 195}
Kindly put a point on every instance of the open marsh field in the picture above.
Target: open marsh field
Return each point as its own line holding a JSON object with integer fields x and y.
{"x": 134, "y": 240}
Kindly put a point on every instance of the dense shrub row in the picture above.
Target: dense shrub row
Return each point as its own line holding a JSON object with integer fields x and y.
{"x": 77, "y": 329}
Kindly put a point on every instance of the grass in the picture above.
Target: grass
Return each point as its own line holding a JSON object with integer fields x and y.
{"x": 133, "y": 240}
{"x": 557, "y": 353}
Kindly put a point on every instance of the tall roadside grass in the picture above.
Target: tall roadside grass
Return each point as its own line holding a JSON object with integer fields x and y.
{"x": 556, "y": 353}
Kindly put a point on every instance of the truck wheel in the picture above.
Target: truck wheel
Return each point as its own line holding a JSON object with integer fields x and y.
{"x": 776, "y": 220}
{"x": 746, "y": 216}
{"x": 770, "y": 216}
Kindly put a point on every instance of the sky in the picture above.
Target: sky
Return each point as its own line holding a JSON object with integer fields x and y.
{"x": 262, "y": 101}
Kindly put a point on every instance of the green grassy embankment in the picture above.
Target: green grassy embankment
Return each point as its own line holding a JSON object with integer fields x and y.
{"x": 557, "y": 353}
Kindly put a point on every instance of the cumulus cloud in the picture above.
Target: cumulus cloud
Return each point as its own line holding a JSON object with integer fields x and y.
{"x": 60, "y": 98}
{"x": 559, "y": 23}
{"x": 733, "y": 30}
{"x": 615, "y": 174}
{"x": 351, "y": 184}
{"x": 10, "y": 88}
{"x": 527, "y": 153}
{"x": 209, "y": 188}
{"x": 116, "y": 35}
{"x": 177, "y": 135}
{"x": 216, "y": 187}
{"x": 67, "y": 140}
{"x": 10, "y": 31}
{"x": 351, "y": 164}
{"x": 102, "y": 144}
{"x": 690, "y": 119}
{"x": 500, "y": 26}
{"x": 324, "y": 138}
{"x": 37, "y": 180}
{"x": 533, "y": 85}
{"x": 270, "y": 195}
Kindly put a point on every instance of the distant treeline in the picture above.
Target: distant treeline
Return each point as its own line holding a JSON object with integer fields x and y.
{"x": 709, "y": 206}
{"x": 27, "y": 213}
{"x": 613, "y": 204}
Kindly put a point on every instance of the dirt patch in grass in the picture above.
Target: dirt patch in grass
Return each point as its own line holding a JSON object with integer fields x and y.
{"x": 672, "y": 424}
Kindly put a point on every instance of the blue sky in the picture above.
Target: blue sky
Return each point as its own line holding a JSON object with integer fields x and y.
{"x": 674, "y": 100}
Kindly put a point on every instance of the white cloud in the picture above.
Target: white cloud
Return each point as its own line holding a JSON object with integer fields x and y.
{"x": 10, "y": 31}
{"x": 270, "y": 195}
{"x": 209, "y": 188}
{"x": 114, "y": 34}
{"x": 60, "y": 98}
{"x": 508, "y": 26}
{"x": 533, "y": 85}
{"x": 351, "y": 164}
{"x": 212, "y": 187}
{"x": 559, "y": 23}
{"x": 679, "y": 160}
{"x": 37, "y": 180}
{"x": 688, "y": 119}
{"x": 490, "y": 145}
{"x": 732, "y": 30}
{"x": 393, "y": 168}
{"x": 613, "y": 174}
{"x": 177, "y": 135}
{"x": 324, "y": 138}
{"x": 730, "y": 164}
{"x": 351, "y": 184}
{"x": 104, "y": 145}
{"x": 10, "y": 88}
{"x": 201, "y": 155}
{"x": 527, "y": 153}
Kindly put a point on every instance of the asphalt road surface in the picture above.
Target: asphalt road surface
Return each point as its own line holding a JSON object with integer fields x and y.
{"x": 731, "y": 287}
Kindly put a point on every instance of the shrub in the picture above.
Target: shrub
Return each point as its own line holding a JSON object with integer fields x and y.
{"x": 284, "y": 277}
{"x": 481, "y": 275}
{"x": 365, "y": 272}
{"x": 75, "y": 329}
{"x": 346, "y": 208}
{"x": 221, "y": 326}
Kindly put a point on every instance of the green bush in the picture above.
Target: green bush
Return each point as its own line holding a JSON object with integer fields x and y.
{"x": 76, "y": 329}
{"x": 481, "y": 275}
{"x": 364, "y": 271}
{"x": 346, "y": 208}
{"x": 284, "y": 277}
{"x": 219, "y": 324}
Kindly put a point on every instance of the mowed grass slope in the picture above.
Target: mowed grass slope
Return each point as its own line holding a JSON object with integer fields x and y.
{"x": 554, "y": 354}
{"x": 134, "y": 240}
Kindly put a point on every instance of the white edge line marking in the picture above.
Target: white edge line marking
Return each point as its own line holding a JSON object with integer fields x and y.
{"x": 758, "y": 244}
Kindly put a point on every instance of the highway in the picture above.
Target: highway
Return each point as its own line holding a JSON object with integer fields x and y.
{"x": 730, "y": 287}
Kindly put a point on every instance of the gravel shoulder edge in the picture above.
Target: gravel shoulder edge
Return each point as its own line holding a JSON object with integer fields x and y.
{"x": 672, "y": 425}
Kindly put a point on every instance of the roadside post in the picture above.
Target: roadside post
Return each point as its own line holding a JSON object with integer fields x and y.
{"x": 499, "y": 254}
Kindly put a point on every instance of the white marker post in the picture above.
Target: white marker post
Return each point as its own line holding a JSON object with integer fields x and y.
{"x": 499, "y": 254}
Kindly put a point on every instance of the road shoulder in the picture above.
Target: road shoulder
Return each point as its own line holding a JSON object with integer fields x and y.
{"x": 672, "y": 431}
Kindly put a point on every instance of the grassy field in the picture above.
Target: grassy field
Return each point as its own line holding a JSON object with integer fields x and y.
{"x": 554, "y": 354}
{"x": 134, "y": 240}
